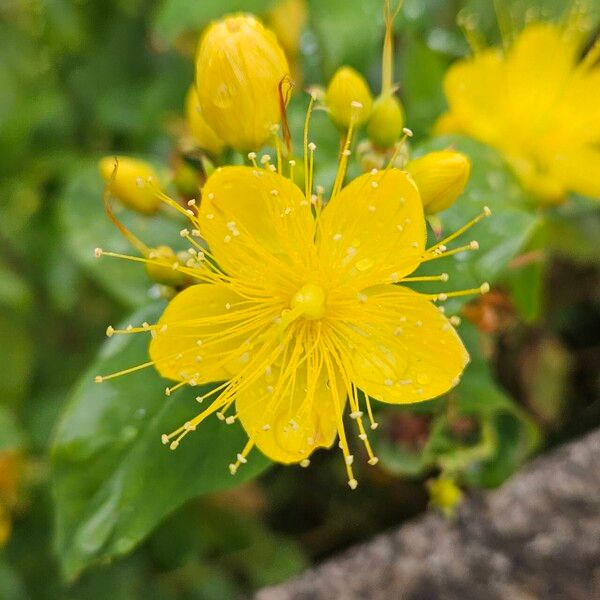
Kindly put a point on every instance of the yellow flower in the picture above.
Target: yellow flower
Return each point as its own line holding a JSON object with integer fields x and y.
{"x": 239, "y": 69}
{"x": 348, "y": 98}
{"x": 537, "y": 103}
{"x": 132, "y": 182}
{"x": 201, "y": 131}
{"x": 441, "y": 178}
{"x": 300, "y": 304}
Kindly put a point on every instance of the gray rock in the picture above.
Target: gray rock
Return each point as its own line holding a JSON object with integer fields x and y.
{"x": 536, "y": 537}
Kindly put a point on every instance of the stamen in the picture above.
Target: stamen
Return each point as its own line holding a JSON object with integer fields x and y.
{"x": 307, "y": 174}
{"x": 485, "y": 213}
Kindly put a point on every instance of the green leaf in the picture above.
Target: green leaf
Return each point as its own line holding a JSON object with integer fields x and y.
{"x": 86, "y": 227}
{"x": 526, "y": 286}
{"x": 573, "y": 229}
{"x": 174, "y": 17}
{"x": 113, "y": 479}
{"x": 500, "y": 236}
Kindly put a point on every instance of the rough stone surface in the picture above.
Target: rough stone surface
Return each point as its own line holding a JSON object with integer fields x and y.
{"x": 537, "y": 537}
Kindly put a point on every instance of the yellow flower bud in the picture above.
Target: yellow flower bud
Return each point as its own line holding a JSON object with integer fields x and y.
{"x": 441, "y": 177}
{"x": 445, "y": 494}
{"x": 239, "y": 66}
{"x": 287, "y": 19}
{"x": 201, "y": 131}
{"x": 134, "y": 182}
{"x": 165, "y": 273}
{"x": 386, "y": 122}
{"x": 347, "y": 97}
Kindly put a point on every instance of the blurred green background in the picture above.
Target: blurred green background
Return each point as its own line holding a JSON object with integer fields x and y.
{"x": 108, "y": 515}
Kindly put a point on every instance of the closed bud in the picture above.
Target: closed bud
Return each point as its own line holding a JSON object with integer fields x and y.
{"x": 348, "y": 97}
{"x": 287, "y": 18}
{"x": 444, "y": 494}
{"x": 441, "y": 177}
{"x": 134, "y": 183}
{"x": 162, "y": 270}
{"x": 239, "y": 67}
{"x": 200, "y": 130}
{"x": 386, "y": 122}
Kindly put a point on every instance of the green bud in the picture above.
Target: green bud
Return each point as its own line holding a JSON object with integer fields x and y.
{"x": 386, "y": 122}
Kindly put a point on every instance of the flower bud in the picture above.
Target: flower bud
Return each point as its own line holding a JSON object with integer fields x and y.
{"x": 347, "y": 97}
{"x": 287, "y": 19}
{"x": 444, "y": 494}
{"x": 239, "y": 66}
{"x": 164, "y": 273}
{"x": 134, "y": 183}
{"x": 201, "y": 131}
{"x": 441, "y": 177}
{"x": 386, "y": 122}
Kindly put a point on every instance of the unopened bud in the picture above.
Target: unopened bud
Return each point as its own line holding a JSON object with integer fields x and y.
{"x": 444, "y": 494}
{"x": 239, "y": 67}
{"x": 441, "y": 177}
{"x": 162, "y": 270}
{"x": 287, "y": 19}
{"x": 386, "y": 122}
{"x": 135, "y": 183}
{"x": 200, "y": 130}
{"x": 348, "y": 97}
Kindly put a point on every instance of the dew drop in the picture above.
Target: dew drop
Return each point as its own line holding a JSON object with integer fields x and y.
{"x": 364, "y": 264}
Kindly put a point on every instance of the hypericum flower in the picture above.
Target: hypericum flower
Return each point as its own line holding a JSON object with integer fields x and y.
{"x": 537, "y": 103}
{"x": 129, "y": 182}
{"x": 441, "y": 178}
{"x": 301, "y": 308}
{"x": 240, "y": 67}
{"x": 201, "y": 131}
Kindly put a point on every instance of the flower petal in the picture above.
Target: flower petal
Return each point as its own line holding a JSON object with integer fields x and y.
{"x": 192, "y": 342}
{"x": 400, "y": 348}
{"x": 288, "y": 421}
{"x": 373, "y": 230}
{"x": 476, "y": 95}
{"x": 579, "y": 170}
{"x": 255, "y": 221}
{"x": 544, "y": 54}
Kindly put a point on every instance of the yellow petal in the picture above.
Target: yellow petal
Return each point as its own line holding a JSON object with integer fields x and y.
{"x": 373, "y": 229}
{"x": 289, "y": 423}
{"x": 192, "y": 342}
{"x": 476, "y": 93}
{"x": 256, "y": 222}
{"x": 538, "y": 67}
{"x": 579, "y": 170}
{"x": 402, "y": 349}
{"x": 579, "y": 109}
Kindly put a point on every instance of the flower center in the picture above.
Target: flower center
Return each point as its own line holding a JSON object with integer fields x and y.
{"x": 309, "y": 301}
